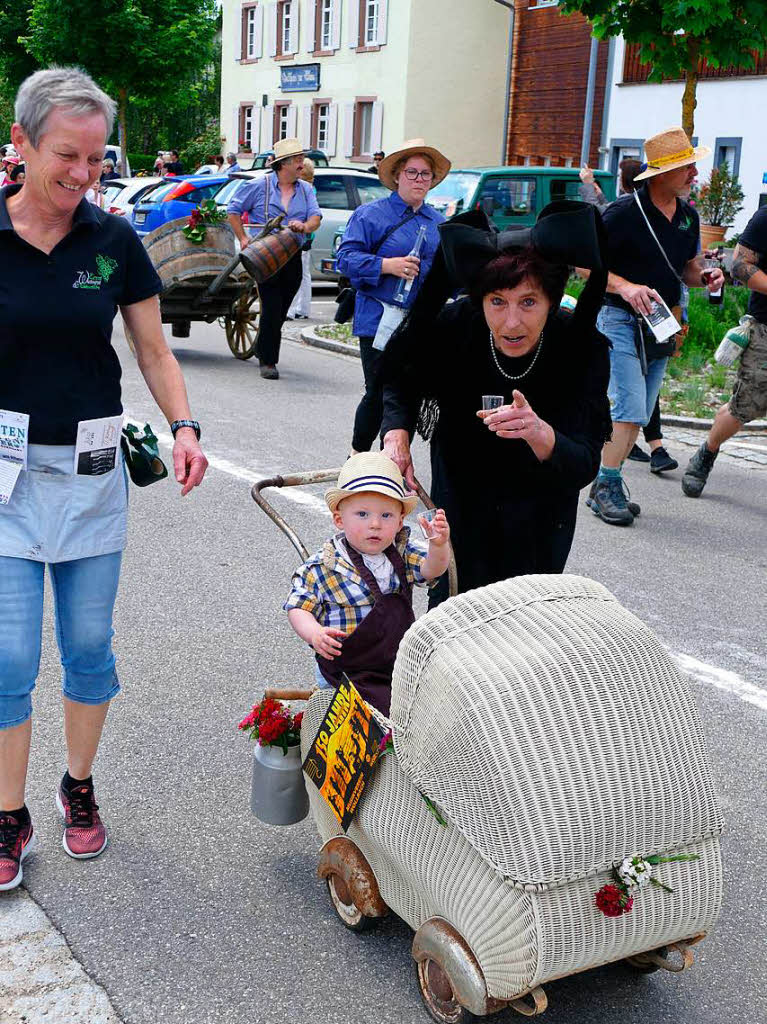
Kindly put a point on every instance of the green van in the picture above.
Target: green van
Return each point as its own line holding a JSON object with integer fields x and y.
{"x": 511, "y": 196}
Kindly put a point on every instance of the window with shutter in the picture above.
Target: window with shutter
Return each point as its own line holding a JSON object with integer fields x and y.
{"x": 368, "y": 116}
{"x": 371, "y": 20}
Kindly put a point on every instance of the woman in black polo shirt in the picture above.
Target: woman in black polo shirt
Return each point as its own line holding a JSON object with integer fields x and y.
{"x": 68, "y": 267}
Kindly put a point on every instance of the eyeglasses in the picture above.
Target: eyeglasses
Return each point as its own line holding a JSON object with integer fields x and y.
{"x": 413, "y": 175}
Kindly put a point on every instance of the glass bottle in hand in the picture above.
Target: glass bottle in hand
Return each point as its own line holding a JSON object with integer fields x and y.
{"x": 405, "y": 284}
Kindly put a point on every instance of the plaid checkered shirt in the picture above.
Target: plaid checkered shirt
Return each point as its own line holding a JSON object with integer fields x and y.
{"x": 328, "y": 585}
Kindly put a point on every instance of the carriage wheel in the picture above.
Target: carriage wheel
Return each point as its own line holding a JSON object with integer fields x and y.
{"x": 242, "y": 326}
{"x": 438, "y": 996}
{"x": 643, "y": 965}
{"x": 345, "y": 907}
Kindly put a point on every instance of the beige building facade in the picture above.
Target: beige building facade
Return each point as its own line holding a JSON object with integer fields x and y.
{"x": 351, "y": 77}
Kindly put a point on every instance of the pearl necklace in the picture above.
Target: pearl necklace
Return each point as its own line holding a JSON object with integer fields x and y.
{"x": 510, "y": 376}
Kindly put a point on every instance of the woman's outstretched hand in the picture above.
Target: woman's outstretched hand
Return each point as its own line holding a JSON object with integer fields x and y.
{"x": 519, "y": 422}
{"x": 397, "y": 447}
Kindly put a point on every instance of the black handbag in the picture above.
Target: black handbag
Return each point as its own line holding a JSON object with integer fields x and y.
{"x": 347, "y": 297}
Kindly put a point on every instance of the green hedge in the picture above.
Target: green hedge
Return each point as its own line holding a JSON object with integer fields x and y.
{"x": 141, "y": 161}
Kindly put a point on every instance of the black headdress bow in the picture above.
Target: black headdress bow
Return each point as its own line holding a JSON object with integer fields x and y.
{"x": 566, "y": 232}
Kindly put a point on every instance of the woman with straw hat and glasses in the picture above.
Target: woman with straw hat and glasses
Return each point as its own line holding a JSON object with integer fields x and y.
{"x": 279, "y": 192}
{"x": 374, "y": 255}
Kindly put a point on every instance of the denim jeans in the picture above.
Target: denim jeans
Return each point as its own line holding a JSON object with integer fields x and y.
{"x": 632, "y": 394}
{"x": 84, "y": 591}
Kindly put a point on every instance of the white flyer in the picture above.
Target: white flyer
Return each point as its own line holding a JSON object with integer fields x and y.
{"x": 14, "y": 434}
{"x": 9, "y": 474}
{"x": 662, "y": 321}
{"x": 96, "y": 446}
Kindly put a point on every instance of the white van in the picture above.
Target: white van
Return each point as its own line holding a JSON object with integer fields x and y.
{"x": 114, "y": 152}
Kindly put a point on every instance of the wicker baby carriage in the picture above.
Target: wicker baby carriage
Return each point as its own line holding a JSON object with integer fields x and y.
{"x": 555, "y": 736}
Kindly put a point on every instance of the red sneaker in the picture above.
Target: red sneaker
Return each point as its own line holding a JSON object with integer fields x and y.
{"x": 84, "y": 832}
{"x": 16, "y": 843}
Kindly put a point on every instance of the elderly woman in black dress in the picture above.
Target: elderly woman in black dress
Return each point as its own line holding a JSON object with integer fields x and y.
{"x": 507, "y": 478}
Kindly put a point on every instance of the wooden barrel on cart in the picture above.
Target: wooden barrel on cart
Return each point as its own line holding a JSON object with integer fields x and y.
{"x": 176, "y": 259}
{"x": 187, "y": 270}
{"x": 265, "y": 256}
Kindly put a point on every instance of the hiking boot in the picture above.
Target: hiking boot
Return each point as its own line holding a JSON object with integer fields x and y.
{"x": 609, "y": 502}
{"x": 84, "y": 832}
{"x": 16, "y": 843}
{"x": 638, "y": 454}
{"x": 698, "y": 468}
{"x": 632, "y": 506}
{"x": 661, "y": 461}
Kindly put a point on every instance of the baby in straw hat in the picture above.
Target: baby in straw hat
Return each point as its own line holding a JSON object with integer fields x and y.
{"x": 352, "y": 600}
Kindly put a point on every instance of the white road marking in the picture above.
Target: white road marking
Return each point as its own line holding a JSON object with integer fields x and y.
{"x": 722, "y": 679}
{"x": 250, "y": 476}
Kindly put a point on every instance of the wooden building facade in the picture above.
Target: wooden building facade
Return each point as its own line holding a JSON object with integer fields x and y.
{"x": 549, "y": 76}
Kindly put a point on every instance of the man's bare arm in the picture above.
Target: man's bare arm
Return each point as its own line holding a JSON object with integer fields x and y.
{"x": 745, "y": 268}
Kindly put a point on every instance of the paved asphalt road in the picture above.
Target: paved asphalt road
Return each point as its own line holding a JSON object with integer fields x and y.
{"x": 197, "y": 914}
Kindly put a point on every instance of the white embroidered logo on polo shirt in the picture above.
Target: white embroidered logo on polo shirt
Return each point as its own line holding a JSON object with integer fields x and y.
{"x": 93, "y": 282}
{"x": 84, "y": 279}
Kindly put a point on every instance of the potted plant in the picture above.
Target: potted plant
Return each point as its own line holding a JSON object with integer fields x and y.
{"x": 278, "y": 795}
{"x": 719, "y": 201}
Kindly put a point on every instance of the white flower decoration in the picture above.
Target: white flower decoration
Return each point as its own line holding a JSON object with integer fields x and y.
{"x": 635, "y": 871}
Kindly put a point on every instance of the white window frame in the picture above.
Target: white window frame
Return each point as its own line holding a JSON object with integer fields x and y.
{"x": 283, "y": 123}
{"x": 250, "y": 33}
{"x": 247, "y": 126}
{"x": 322, "y": 114}
{"x": 370, "y": 27}
{"x": 288, "y": 13}
{"x": 325, "y": 41}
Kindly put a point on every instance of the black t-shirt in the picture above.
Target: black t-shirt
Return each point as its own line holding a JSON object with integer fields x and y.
{"x": 634, "y": 254}
{"x": 175, "y": 167}
{"x": 56, "y": 358}
{"x": 755, "y": 237}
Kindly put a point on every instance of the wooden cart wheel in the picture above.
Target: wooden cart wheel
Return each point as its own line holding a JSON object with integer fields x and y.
{"x": 639, "y": 963}
{"x": 345, "y": 908}
{"x": 438, "y": 996}
{"x": 242, "y": 326}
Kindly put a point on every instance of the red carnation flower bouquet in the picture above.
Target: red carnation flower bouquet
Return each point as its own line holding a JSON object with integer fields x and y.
{"x": 201, "y": 216}
{"x": 272, "y": 724}
{"x": 630, "y": 876}
{"x": 277, "y": 793}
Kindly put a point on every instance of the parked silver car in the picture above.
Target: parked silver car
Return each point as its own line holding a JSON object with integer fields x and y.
{"x": 340, "y": 190}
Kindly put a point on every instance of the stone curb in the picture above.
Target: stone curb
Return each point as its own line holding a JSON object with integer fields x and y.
{"x": 310, "y": 337}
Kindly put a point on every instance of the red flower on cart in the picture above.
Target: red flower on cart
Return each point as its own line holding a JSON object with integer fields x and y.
{"x": 613, "y": 901}
{"x": 271, "y": 723}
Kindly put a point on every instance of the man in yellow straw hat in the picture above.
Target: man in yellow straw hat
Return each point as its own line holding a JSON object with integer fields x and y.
{"x": 653, "y": 243}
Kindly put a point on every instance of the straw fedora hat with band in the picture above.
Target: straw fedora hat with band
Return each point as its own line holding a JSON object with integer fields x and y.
{"x": 668, "y": 150}
{"x": 286, "y": 148}
{"x": 413, "y": 147}
{"x": 370, "y": 472}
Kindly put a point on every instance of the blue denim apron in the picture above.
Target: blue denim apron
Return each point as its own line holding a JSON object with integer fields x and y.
{"x": 56, "y": 516}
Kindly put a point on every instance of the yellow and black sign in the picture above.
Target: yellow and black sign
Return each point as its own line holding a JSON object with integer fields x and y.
{"x": 344, "y": 752}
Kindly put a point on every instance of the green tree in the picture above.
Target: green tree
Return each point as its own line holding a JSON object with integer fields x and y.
{"x": 140, "y": 51}
{"x": 675, "y": 35}
{"x": 16, "y": 62}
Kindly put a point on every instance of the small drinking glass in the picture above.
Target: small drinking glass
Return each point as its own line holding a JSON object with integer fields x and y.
{"x": 709, "y": 266}
{"x": 424, "y": 521}
{"x": 490, "y": 402}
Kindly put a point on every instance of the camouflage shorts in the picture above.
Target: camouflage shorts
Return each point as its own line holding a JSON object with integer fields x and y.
{"x": 749, "y": 396}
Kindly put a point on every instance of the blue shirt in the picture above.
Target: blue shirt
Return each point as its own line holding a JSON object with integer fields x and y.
{"x": 367, "y": 226}
{"x": 251, "y": 199}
